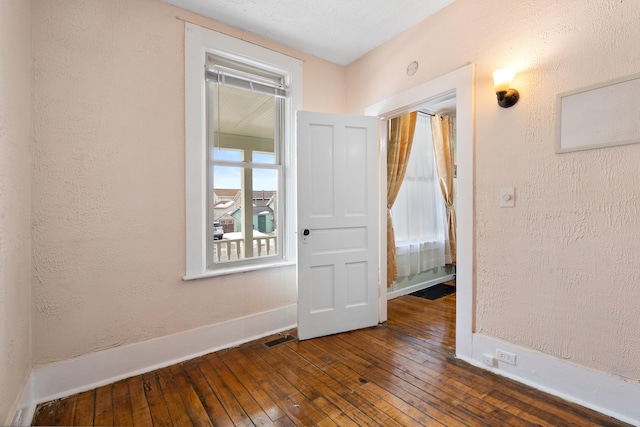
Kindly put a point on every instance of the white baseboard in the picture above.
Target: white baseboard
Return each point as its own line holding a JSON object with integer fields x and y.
{"x": 609, "y": 395}
{"x": 604, "y": 393}
{"x": 105, "y": 367}
{"x": 16, "y": 415}
{"x": 413, "y": 288}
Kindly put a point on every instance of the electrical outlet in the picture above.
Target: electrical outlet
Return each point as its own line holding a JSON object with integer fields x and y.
{"x": 506, "y": 357}
{"x": 488, "y": 360}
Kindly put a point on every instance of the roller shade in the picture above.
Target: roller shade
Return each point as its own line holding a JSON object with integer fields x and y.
{"x": 245, "y": 81}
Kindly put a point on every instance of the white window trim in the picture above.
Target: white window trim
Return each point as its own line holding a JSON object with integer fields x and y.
{"x": 198, "y": 41}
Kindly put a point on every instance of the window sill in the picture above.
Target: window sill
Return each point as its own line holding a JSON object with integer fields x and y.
{"x": 236, "y": 270}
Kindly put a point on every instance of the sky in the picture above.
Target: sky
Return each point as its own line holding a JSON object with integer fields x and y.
{"x": 229, "y": 177}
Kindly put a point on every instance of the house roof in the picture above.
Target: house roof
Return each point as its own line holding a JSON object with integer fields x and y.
{"x": 262, "y": 198}
{"x": 257, "y": 210}
{"x": 225, "y": 215}
{"x": 223, "y": 204}
{"x": 226, "y": 192}
{"x": 233, "y": 192}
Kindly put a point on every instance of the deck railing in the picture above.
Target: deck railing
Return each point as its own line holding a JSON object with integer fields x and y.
{"x": 232, "y": 249}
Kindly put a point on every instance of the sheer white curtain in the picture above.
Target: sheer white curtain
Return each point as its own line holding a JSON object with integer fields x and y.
{"x": 419, "y": 216}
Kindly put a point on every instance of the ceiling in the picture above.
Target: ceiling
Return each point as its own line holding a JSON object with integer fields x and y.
{"x": 317, "y": 27}
{"x": 339, "y": 31}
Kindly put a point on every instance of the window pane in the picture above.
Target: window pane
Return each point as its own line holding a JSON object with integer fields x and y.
{"x": 243, "y": 129}
{"x": 264, "y": 158}
{"x": 243, "y": 123}
{"x": 225, "y": 154}
{"x": 239, "y": 156}
{"x": 228, "y": 207}
{"x": 227, "y": 177}
{"x": 265, "y": 179}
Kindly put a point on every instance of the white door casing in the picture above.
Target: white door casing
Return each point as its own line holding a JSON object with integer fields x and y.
{"x": 338, "y": 203}
{"x": 460, "y": 83}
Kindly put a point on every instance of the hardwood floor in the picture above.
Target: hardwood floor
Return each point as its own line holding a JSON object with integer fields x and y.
{"x": 400, "y": 373}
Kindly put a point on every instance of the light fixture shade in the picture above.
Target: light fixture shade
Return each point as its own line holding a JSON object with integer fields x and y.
{"x": 502, "y": 79}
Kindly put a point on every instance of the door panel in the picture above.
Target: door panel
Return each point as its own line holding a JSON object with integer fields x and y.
{"x": 338, "y": 205}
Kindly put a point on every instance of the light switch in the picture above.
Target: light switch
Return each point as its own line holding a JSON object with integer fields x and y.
{"x": 507, "y": 197}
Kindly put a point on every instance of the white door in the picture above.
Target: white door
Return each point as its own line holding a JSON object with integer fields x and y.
{"x": 337, "y": 223}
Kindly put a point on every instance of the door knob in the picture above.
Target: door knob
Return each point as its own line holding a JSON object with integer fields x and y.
{"x": 306, "y": 232}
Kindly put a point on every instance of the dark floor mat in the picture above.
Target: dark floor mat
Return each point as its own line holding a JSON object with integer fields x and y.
{"x": 435, "y": 292}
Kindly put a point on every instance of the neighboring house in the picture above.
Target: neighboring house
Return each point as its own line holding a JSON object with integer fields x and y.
{"x": 228, "y": 222}
{"x": 224, "y": 195}
{"x": 228, "y": 207}
{"x": 263, "y": 219}
{"x": 262, "y": 198}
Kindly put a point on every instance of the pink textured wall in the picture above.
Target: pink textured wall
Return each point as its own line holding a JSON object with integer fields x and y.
{"x": 15, "y": 190}
{"x": 108, "y": 198}
{"x": 559, "y": 272}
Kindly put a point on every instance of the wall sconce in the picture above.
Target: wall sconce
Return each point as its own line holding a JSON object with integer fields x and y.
{"x": 507, "y": 97}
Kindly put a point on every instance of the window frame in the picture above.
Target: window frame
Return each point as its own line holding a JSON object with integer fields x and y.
{"x": 198, "y": 42}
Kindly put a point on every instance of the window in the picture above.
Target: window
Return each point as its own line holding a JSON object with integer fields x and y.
{"x": 419, "y": 219}
{"x": 244, "y": 110}
{"x": 239, "y": 169}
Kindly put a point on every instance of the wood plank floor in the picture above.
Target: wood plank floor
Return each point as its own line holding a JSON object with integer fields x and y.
{"x": 402, "y": 373}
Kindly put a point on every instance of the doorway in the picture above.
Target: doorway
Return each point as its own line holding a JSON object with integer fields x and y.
{"x": 457, "y": 85}
{"x": 423, "y": 243}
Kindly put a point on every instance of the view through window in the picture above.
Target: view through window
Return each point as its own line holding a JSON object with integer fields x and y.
{"x": 245, "y": 112}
